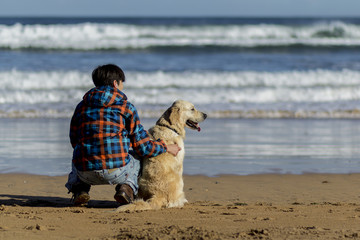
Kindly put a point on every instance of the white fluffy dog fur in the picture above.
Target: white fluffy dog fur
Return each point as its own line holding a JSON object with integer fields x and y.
{"x": 161, "y": 183}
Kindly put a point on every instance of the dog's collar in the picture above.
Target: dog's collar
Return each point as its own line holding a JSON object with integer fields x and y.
{"x": 163, "y": 125}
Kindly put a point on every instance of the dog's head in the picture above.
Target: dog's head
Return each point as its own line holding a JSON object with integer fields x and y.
{"x": 183, "y": 114}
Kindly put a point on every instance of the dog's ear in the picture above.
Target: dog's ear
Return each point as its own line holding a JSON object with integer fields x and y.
{"x": 170, "y": 116}
{"x": 174, "y": 115}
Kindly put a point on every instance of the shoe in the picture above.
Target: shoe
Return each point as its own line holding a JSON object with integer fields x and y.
{"x": 80, "y": 192}
{"x": 124, "y": 194}
{"x": 80, "y": 198}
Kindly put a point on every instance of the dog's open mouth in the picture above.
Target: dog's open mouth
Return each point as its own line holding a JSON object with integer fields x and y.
{"x": 193, "y": 125}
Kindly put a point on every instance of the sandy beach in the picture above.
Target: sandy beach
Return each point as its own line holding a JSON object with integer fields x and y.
{"x": 309, "y": 206}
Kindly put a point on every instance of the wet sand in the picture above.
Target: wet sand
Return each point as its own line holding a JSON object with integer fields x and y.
{"x": 309, "y": 206}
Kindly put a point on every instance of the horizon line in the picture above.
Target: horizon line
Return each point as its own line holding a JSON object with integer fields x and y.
{"x": 177, "y": 16}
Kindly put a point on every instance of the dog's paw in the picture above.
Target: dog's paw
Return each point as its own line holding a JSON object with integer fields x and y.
{"x": 177, "y": 204}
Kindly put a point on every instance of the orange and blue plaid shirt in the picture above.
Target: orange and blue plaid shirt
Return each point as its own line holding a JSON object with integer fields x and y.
{"x": 104, "y": 128}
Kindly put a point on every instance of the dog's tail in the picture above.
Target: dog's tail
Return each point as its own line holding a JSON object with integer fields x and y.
{"x": 141, "y": 205}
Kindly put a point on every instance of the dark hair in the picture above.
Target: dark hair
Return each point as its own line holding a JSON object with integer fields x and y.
{"x": 106, "y": 74}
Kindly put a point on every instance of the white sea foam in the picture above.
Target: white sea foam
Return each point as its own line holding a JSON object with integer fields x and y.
{"x": 245, "y": 94}
{"x": 92, "y": 36}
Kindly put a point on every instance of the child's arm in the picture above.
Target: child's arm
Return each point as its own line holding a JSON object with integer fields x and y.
{"x": 140, "y": 139}
{"x": 143, "y": 145}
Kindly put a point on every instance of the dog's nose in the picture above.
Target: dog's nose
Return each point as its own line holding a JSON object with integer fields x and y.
{"x": 205, "y": 115}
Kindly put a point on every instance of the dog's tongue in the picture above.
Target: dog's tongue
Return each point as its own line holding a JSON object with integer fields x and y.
{"x": 198, "y": 127}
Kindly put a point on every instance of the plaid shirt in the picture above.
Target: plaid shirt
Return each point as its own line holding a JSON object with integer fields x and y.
{"x": 103, "y": 129}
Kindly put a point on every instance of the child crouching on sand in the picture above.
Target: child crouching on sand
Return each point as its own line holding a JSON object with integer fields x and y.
{"x": 103, "y": 129}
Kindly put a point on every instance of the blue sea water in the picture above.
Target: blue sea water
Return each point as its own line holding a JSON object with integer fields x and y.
{"x": 242, "y": 70}
{"x": 232, "y": 67}
{"x": 224, "y": 146}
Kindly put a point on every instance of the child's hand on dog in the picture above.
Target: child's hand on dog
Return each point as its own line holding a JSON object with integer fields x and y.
{"x": 173, "y": 149}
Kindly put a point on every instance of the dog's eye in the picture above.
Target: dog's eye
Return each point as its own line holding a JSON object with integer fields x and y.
{"x": 193, "y": 109}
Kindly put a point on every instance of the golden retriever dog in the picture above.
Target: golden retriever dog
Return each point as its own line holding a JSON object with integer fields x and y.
{"x": 161, "y": 182}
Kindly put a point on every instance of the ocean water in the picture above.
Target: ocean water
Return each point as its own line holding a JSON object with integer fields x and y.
{"x": 232, "y": 67}
{"x": 224, "y": 146}
{"x": 279, "y": 71}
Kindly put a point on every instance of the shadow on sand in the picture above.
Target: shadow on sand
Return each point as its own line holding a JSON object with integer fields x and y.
{"x": 46, "y": 201}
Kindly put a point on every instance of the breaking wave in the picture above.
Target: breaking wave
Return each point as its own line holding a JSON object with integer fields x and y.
{"x": 110, "y": 36}
{"x": 318, "y": 93}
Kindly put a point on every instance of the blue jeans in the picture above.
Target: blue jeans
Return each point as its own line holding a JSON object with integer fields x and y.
{"x": 124, "y": 175}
